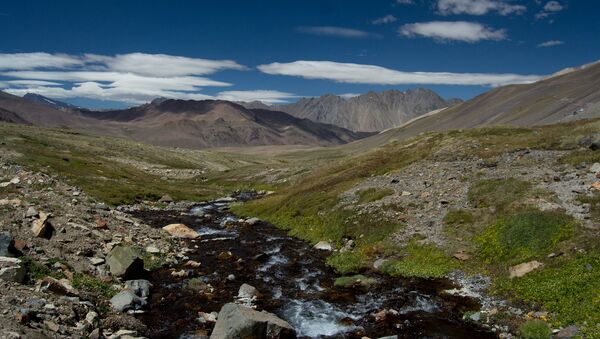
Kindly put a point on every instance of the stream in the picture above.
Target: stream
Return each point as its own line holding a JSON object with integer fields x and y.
{"x": 295, "y": 284}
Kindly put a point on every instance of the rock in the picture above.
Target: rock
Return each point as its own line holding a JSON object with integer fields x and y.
{"x": 95, "y": 334}
{"x": 461, "y": 255}
{"x": 91, "y": 318}
{"x": 102, "y": 206}
{"x": 475, "y": 316}
{"x": 152, "y": 249}
{"x": 41, "y": 227}
{"x": 76, "y": 193}
{"x": 208, "y": 317}
{"x": 237, "y": 321}
{"x": 522, "y": 269}
{"x": 348, "y": 246}
{"x": 60, "y": 287}
{"x": 52, "y": 326}
{"x": 127, "y": 300}
{"x": 10, "y": 202}
{"x": 596, "y": 185}
{"x": 179, "y": 274}
{"x": 181, "y": 231}
{"x": 595, "y": 145}
{"x": 595, "y": 168}
{"x": 20, "y": 245}
{"x": 192, "y": 264}
{"x": 15, "y": 181}
{"x": 379, "y": 263}
{"x": 124, "y": 261}
{"x": 567, "y": 332}
{"x": 247, "y": 294}
{"x": 406, "y": 193}
{"x": 166, "y": 199}
{"x": 12, "y": 269}
{"x": 252, "y": 221}
{"x": 97, "y": 261}
{"x": 323, "y": 246}
{"x": 6, "y": 244}
{"x": 140, "y": 287}
{"x": 31, "y": 213}
{"x": 231, "y": 277}
{"x": 101, "y": 223}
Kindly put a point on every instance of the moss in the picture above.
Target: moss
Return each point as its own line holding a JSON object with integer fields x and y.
{"x": 568, "y": 287}
{"x": 90, "y": 284}
{"x": 355, "y": 280}
{"x": 348, "y": 262}
{"x": 535, "y": 329}
{"x": 523, "y": 236}
{"x": 373, "y": 194}
{"x": 458, "y": 216}
{"x": 422, "y": 261}
{"x": 594, "y": 201}
{"x": 37, "y": 270}
{"x": 497, "y": 193}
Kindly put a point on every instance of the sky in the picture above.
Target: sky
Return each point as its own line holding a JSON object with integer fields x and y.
{"x": 118, "y": 53}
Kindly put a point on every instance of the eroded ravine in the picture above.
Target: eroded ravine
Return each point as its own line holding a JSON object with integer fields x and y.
{"x": 295, "y": 284}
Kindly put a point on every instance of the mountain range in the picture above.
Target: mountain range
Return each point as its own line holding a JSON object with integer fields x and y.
{"x": 571, "y": 94}
{"x": 369, "y": 112}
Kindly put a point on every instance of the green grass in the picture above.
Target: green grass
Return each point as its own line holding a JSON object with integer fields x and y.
{"x": 355, "y": 280}
{"x": 458, "y": 217}
{"x": 535, "y": 329}
{"x": 567, "y": 287}
{"x": 524, "y": 236}
{"x": 91, "y": 284}
{"x": 373, "y": 194}
{"x": 594, "y": 201}
{"x": 348, "y": 262}
{"x": 38, "y": 271}
{"x": 421, "y": 261}
{"x": 497, "y": 193}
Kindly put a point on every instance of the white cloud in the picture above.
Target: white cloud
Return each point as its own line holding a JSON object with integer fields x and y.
{"x": 26, "y": 61}
{"x": 131, "y": 78}
{"x": 376, "y": 75}
{"x": 551, "y": 43}
{"x": 387, "y": 19}
{"x": 349, "y": 95}
{"x": 340, "y": 32}
{"x": 452, "y": 30}
{"x": 163, "y": 65}
{"x": 553, "y": 6}
{"x": 550, "y": 8}
{"x": 404, "y": 2}
{"x": 478, "y": 7}
{"x": 266, "y": 96}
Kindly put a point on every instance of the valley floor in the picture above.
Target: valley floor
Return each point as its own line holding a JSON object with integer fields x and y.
{"x": 511, "y": 214}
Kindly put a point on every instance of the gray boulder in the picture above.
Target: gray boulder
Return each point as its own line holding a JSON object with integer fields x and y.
{"x": 124, "y": 261}
{"x": 237, "y": 321}
{"x": 12, "y": 269}
{"x": 127, "y": 300}
{"x": 140, "y": 287}
{"x": 6, "y": 244}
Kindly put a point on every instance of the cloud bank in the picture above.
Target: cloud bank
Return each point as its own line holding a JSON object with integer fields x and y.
{"x": 340, "y": 32}
{"x": 130, "y": 78}
{"x": 464, "y": 31}
{"x": 376, "y": 75}
{"x": 478, "y": 7}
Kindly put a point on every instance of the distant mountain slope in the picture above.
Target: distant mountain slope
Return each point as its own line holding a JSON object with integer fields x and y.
{"x": 372, "y": 112}
{"x": 47, "y": 101}
{"x": 567, "y": 96}
{"x": 217, "y": 123}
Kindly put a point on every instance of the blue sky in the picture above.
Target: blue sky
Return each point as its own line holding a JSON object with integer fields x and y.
{"x": 120, "y": 53}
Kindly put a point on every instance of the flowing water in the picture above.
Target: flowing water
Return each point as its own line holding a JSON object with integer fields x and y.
{"x": 295, "y": 284}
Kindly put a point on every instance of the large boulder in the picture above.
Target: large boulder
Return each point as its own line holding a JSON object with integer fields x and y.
{"x": 140, "y": 287}
{"x": 520, "y": 270}
{"x": 41, "y": 227}
{"x": 237, "y": 321}
{"x": 323, "y": 246}
{"x": 127, "y": 300}
{"x": 181, "y": 231}
{"x": 125, "y": 262}
{"x": 12, "y": 269}
{"x": 6, "y": 244}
